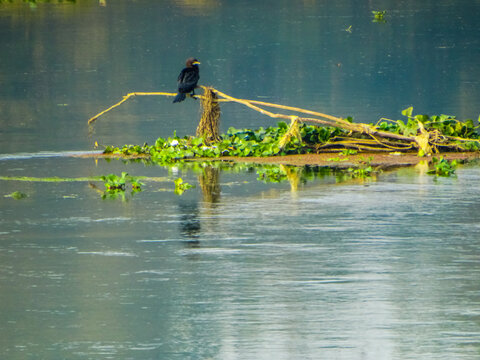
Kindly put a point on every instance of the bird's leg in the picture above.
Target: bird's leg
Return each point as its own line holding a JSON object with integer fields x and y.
{"x": 192, "y": 94}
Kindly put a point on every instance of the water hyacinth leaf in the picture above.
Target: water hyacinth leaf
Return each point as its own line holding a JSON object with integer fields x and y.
{"x": 443, "y": 167}
{"x": 408, "y": 111}
{"x": 181, "y": 186}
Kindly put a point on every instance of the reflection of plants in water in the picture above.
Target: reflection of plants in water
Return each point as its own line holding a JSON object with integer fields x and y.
{"x": 208, "y": 172}
{"x": 364, "y": 169}
{"x": 271, "y": 174}
{"x": 295, "y": 175}
{"x": 209, "y": 181}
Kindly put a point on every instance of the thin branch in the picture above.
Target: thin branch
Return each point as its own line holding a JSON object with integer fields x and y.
{"x": 125, "y": 98}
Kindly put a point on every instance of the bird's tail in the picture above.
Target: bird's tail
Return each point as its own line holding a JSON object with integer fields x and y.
{"x": 179, "y": 97}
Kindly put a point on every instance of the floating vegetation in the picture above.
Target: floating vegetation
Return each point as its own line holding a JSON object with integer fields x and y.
{"x": 17, "y": 195}
{"x": 115, "y": 183}
{"x": 379, "y": 16}
{"x": 49, "y": 179}
{"x": 34, "y": 3}
{"x": 443, "y": 167}
{"x": 181, "y": 186}
{"x": 236, "y": 142}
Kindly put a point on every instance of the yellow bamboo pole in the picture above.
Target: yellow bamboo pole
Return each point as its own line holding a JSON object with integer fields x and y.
{"x": 278, "y": 106}
{"x": 125, "y": 98}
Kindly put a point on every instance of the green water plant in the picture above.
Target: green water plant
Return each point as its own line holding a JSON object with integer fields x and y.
{"x": 270, "y": 141}
{"x": 115, "y": 183}
{"x": 443, "y": 167}
{"x": 337, "y": 159}
{"x": 17, "y": 195}
{"x": 379, "y": 16}
{"x": 443, "y": 125}
{"x": 181, "y": 186}
{"x": 361, "y": 172}
{"x": 438, "y": 132}
{"x": 364, "y": 169}
{"x": 347, "y": 152}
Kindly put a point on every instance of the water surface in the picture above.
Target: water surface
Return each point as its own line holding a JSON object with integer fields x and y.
{"x": 235, "y": 268}
{"x": 387, "y": 269}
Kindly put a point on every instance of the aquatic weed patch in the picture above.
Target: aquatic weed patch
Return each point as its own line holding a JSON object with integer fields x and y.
{"x": 115, "y": 184}
{"x": 181, "y": 186}
{"x": 427, "y": 134}
{"x": 261, "y": 142}
{"x": 443, "y": 167}
{"x": 16, "y": 195}
{"x": 442, "y": 132}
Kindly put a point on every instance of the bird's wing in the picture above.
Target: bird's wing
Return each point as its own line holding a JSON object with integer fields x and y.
{"x": 190, "y": 77}
{"x": 181, "y": 76}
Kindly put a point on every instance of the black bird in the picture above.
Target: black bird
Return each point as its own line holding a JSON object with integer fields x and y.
{"x": 187, "y": 80}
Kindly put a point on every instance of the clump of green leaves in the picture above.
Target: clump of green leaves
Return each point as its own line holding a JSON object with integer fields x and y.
{"x": 115, "y": 183}
{"x": 346, "y": 152}
{"x": 337, "y": 159}
{"x": 181, "y": 186}
{"x": 236, "y": 142}
{"x": 443, "y": 167}
{"x": 361, "y": 172}
{"x": 17, "y": 195}
{"x": 364, "y": 169}
{"x": 379, "y": 16}
{"x": 447, "y": 125}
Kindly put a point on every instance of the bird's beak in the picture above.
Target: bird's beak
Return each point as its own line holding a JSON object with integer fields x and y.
{"x": 196, "y": 63}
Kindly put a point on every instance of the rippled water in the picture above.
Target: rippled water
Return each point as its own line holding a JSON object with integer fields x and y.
{"x": 235, "y": 268}
{"x": 384, "y": 269}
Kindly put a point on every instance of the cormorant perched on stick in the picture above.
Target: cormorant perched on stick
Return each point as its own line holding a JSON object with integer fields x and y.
{"x": 187, "y": 80}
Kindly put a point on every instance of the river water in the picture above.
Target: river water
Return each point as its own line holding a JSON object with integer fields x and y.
{"x": 317, "y": 266}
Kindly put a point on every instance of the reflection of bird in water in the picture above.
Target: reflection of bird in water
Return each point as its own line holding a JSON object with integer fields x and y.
{"x": 190, "y": 226}
{"x": 187, "y": 80}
